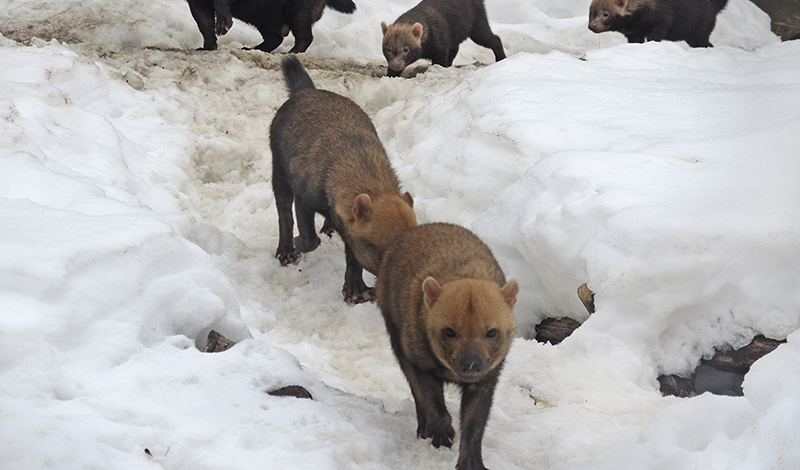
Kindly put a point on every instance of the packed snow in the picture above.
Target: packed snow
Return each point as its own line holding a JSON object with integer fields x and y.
{"x": 137, "y": 215}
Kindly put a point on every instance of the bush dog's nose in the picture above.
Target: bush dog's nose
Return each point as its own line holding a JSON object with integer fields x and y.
{"x": 471, "y": 366}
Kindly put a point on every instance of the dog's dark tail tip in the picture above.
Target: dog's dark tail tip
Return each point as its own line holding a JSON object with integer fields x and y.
{"x": 342, "y": 6}
{"x": 295, "y": 75}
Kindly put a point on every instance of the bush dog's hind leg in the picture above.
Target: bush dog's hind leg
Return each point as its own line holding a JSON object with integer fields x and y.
{"x": 301, "y": 29}
{"x": 482, "y": 35}
{"x": 271, "y": 40}
{"x": 284, "y": 197}
{"x": 204, "y": 17}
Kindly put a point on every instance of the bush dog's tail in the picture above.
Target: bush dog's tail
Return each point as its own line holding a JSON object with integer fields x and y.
{"x": 295, "y": 75}
{"x": 343, "y": 6}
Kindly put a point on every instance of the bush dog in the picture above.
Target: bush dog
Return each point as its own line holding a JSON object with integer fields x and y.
{"x": 655, "y": 20}
{"x": 433, "y": 30}
{"x": 449, "y": 314}
{"x": 327, "y": 159}
{"x": 272, "y": 18}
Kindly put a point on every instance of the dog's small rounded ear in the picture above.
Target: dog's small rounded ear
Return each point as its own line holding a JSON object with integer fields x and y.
{"x": 509, "y": 292}
{"x": 432, "y": 291}
{"x": 416, "y": 30}
{"x": 362, "y": 208}
{"x": 409, "y": 200}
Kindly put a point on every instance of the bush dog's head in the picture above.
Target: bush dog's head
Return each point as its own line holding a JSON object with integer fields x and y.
{"x": 374, "y": 223}
{"x": 402, "y": 44}
{"x": 470, "y": 324}
{"x": 602, "y": 11}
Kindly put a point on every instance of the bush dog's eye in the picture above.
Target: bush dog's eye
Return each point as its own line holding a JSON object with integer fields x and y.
{"x": 449, "y": 332}
{"x": 491, "y": 333}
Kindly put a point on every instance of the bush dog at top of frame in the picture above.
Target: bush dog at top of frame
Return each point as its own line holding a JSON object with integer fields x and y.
{"x": 328, "y": 159}
{"x": 434, "y": 29}
{"x": 449, "y": 314}
{"x": 656, "y": 20}
{"x": 272, "y": 18}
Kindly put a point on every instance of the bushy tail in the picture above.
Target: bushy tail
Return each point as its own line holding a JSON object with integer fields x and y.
{"x": 295, "y": 75}
{"x": 344, "y": 6}
{"x": 719, "y": 4}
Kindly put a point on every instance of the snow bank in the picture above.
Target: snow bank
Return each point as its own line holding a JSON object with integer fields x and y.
{"x": 525, "y": 26}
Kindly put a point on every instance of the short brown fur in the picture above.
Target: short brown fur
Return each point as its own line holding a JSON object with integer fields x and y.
{"x": 657, "y": 20}
{"x": 273, "y": 19}
{"x": 328, "y": 159}
{"x": 449, "y": 314}
{"x": 434, "y": 29}
{"x": 621, "y": 7}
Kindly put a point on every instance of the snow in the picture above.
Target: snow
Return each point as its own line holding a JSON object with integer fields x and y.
{"x": 137, "y": 215}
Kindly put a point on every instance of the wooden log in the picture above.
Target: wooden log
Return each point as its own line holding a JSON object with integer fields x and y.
{"x": 587, "y": 297}
{"x": 735, "y": 363}
{"x": 676, "y": 386}
{"x": 554, "y": 330}
{"x": 740, "y": 360}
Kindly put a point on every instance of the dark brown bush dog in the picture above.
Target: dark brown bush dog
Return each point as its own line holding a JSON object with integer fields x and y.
{"x": 327, "y": 159}
{"x": 434, "y": 29}
{"x": 656, "y": 20}
{"x": 273, "y": 19}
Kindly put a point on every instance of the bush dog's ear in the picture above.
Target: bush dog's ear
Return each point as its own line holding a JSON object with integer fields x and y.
{"x": 409, "y": 200}
{"x": 432, "y": 291}
{"x": 416, "y": 30}
{"x": 510, "y": 291}
{"x": 362, "y": 208}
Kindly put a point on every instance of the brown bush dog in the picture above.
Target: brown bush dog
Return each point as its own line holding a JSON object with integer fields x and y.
{"x": 656, "y": 20}
{"x": 434, "y": 29}
{"x": 327, "y": 159}
{"x": 273, "y": 19}
{"x": 449, "y": 314}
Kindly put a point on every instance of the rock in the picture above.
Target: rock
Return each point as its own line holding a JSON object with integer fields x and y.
{"x": 217, "y": 343}
{"x": 291, "y": 391}
{"x": 718, "y": 382}
{"x": 134, "y": 80}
